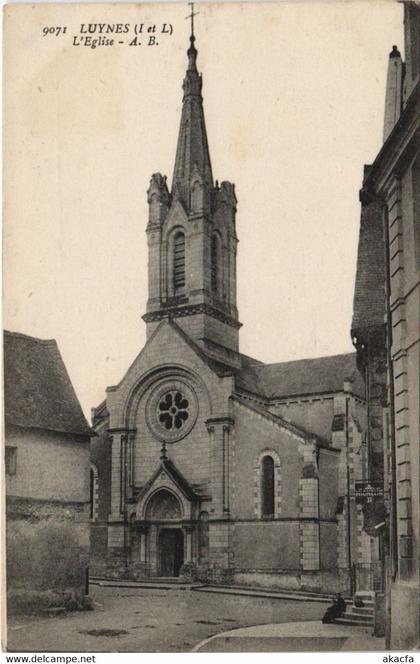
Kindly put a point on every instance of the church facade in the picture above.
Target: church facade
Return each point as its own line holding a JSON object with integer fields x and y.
{"x": 209, "y": 464}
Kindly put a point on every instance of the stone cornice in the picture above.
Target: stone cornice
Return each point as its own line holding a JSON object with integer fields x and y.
{"x": 226, "y": 422}
{"x": 398, "y": 148}
{"x": 191, "y": 310}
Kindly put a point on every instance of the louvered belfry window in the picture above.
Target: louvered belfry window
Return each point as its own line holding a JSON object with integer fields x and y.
{"x": 179, "y": 262}
{"x": 214, "y": 263}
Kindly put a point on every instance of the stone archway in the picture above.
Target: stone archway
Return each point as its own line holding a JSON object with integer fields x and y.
{"x": 163, "y": 505}
{"x": 164, "y": 513}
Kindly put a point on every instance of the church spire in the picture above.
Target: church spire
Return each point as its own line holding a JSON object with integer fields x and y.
{"x": 192, "y": 155}
{"x": 192, "y": 237}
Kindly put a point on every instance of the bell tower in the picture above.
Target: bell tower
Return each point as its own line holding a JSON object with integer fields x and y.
{"x": 192, "y": 238}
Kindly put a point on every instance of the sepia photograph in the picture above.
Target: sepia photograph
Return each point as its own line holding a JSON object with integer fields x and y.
{"x": 211, "y": 350}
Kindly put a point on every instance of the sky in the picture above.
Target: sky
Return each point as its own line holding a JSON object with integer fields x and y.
{"x": 293, "y": 100}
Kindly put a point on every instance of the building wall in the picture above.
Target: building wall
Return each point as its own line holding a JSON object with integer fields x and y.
{"x": 403, "y": 214}
{"x": 48, "y": 497}
{"x": 328, "y": 546}
{"x": 394, "y": 179}
{"x": 404, "y": 298}
{"x": 253, "y": 435}
{"x": 266, "y": 546}
{"x": 328, "y": 484}
{"x": 49, "y": 466}
{"x": 127, "y": 405}
{"x": 100, "y": 459}
{"x": 191, "y": 455}
{"x": 315, "y": 414}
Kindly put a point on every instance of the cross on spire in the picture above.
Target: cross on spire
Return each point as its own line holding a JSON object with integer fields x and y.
{"x": 191, "y": 16}
{"x": 192, "y": 150}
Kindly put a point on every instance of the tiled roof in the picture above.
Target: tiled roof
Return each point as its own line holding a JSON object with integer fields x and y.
{"x": 299, "y": 377}
{"x": 37, "y": 389}
{"x": 369, "y": 292}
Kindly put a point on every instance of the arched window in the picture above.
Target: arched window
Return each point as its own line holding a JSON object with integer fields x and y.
{"x": 163, "y": 505}
{"x": 214, "y": 263}
{"x": 267, "y": 487}
{"x": 179, "y": 262}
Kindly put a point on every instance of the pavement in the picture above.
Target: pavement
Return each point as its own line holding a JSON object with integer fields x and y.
{"x": 180, "y": 619}
{"x": 307, "y": 636}
{"x": 248, "y": 591}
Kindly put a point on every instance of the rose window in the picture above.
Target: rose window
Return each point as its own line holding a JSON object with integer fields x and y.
{"x": 173, "y": 410}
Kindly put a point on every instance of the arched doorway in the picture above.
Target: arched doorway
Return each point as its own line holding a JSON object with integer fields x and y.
{"x": 164, "y": 510}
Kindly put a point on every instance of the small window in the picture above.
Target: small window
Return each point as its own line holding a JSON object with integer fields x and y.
{"x": 267, "y": 487}
{"x": 11, "y": 457}
{"x": 179, "y": 262}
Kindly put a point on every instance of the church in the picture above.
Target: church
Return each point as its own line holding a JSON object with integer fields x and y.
{"x": 209, "y": 464}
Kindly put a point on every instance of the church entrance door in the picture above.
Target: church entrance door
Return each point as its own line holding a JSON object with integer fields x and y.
{"x": 171, "y": 550}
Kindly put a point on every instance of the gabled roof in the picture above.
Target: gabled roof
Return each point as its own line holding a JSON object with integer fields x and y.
{"x": 285, "y": 424}
{"x": 318, "y": 375}
{"x": 175, "y": 475}
{"x": 218, "y": 367}
{"x": 37, "y": 389}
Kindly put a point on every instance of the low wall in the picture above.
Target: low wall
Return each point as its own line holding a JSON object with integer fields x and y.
{"x": 47, "y": 560}
{"x": 319, "y": 581}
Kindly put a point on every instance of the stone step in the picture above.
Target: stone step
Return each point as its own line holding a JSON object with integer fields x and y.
{"x": 172, "y": 580}
{"x": 362, "y": 611}
{"x": 357, "y": 613}
{"x": 289, "y": 591}
{"x": 349, "y": 619}
{"x": 54, "y": 611}
{"x": 260, "y": 592}
{"x": 165, "y": 579}
{"x": 369, "y": 606}
{"x": 124, "y": 583}
{"x": 368, "y": 595}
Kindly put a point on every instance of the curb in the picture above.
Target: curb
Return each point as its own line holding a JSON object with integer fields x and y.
{"x": 252, "y": 592}
{"x": 224, "y": 590}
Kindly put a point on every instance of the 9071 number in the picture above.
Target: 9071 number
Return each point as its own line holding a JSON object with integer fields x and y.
{"x": 53, "y": 31}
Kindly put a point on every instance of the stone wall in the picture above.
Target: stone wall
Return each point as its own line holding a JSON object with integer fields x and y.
{"x": 48, "y": 500}
{"x": 49, "y": 465}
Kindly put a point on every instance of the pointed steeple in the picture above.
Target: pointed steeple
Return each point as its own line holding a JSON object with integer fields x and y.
{"x": 192, "y": 155}
{"x": 192, "y": 266}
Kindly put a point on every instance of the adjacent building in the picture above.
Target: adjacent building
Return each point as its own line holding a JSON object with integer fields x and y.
{"x": 386, "y": 332}
{"x": 47, "y": 447}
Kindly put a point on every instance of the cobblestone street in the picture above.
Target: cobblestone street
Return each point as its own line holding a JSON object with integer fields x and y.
{"x": 152, "y": 620}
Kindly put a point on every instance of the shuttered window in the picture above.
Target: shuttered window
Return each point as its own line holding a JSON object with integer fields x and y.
{"x": 179, "y": 262}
